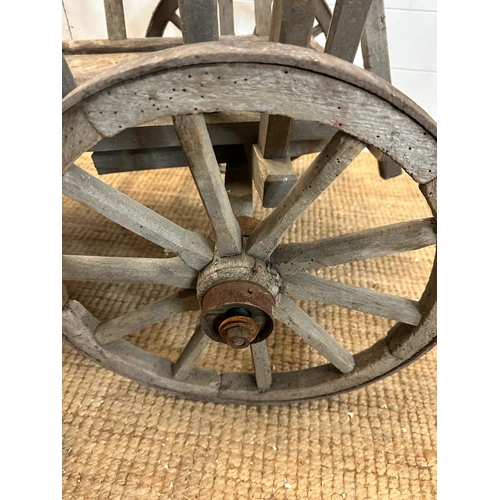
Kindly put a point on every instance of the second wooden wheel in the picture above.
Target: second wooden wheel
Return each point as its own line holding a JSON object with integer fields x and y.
{"x": 244, "y": 279}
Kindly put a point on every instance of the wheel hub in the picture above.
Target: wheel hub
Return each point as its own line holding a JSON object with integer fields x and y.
{"x": 238, "y": 295}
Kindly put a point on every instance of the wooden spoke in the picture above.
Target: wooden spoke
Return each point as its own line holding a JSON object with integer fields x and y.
{"x": 317, "y": 30}
{"x": 193, "y": 135}
{"x": 170, "y": 272}
{"x": 161, "y": 16}
{"x": 304, "y": 286}
{"x": 324, "y": 17}
{"x": 199, "y": 21}
{"x": 226, "y": 14}
{"x": 68, "y": 80}
{"x": 302, "y": 324}
{"x": 291, "y": 23}
{"x": 374, "y": 45}
{"x": 375, "y": 49}
{"x": 176, "y": 21}
{"x": 238, "y": 182}
{"x": 196, "y": 345}
{"x": 115, "y": 19}
{"x": 262, "y": 366}
{"x": 142, "y": 317}
{"x": 377, "y": 242}
{"x": 346, "y": 27}
{"x": 192, "y": 248}
{"x": 327, "y": 166}
{"x": 262, "y": 17}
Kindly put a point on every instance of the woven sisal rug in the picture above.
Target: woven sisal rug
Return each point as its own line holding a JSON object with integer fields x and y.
{"x": 125, "y": 441}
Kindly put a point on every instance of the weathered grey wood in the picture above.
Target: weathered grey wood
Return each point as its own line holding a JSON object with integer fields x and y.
{"x": 238, "y": 182}
{"x": 132, "y": 361}
{"x": 109, "y": 162}
{"x": 304, "y": 286}
{"x": 115, "y": 19}
{"x": 139, "y": 318}
{"x": 374, "y": 45}
{"x": 285, "y": 57}
{"x": 193, "y": 135}
{"x": 317, "y": 30}
{"x": 291, "y": 23}
{"x": 187, "y": 359}
{"x": 68, "y": 81}
{"x": 274, "y": 135}
{"x": 323, "y": 16}
{"x": 327, "y": 166}
{"x": 262, "y": 17}
{"x": 134, "y": 45}
{"x": 376, "y": 361}
{"x": 192, "y": 248}
{"x": 430, "y": 192}
{"x": 64, "y": 294}
{"x": 304, "y": 326}
{"x": 262, "y": 366}
{"x": 176, "y": 21}
{"x": 78, "y": 134}
{"x": 171, "y": 272}
{"x": 163, "y": 13}
{"x": 226, "y": 15}
{"x": 364, "y": 107}
{"x": 273, "y": 179}
{"x": 199, "y": 21}
{"x": 293, "y": 258}
{"x": 375, "y": 49}
{"x": 228, "y": 131}
{"x": 314, "y": 44}
{"x": 348, "y": 21}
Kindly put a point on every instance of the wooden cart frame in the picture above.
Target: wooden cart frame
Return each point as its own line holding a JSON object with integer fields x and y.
{"x": 252, "y": 104}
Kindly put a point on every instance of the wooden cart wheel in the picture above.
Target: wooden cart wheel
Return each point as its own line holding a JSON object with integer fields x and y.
{"x": 165, "y": 12}
{"x": 252, "y": 280}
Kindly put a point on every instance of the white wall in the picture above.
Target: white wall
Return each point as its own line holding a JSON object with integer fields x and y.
{"x": 411, "y": 25}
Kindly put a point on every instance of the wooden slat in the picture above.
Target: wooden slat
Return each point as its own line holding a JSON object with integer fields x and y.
{"x": 375, "y": 49}
{"x": 291, "y": 23}
{"x": 274, "y": 135}
{"x": 374, "y": 45}
{"x": 262, "y": 366}
{"x": 193, "y": 135}
{"x": 199, "y": 20}
{"x": 133, "y": 45}
{"x": 262, "y": 17}
{"x": 176, "y": 21}
{"x": 304, "y": 286}
{"x": 226, "y": 132}
{"x": 115, "y": 19}
{"x": 226, "y": 15}
{"x": 161, "y": 16}
{"x": 238, "y": 182}
{"x": 142, "y": 317}
{"x": 303, "y": 325}
{"x": 323, "y": 15}
{"x": 273, "y": 179}
{"x": 327, "y": 166}
{"x": 187, "y": 359}
{"x": 172, "y": 271}
{"x": 68, "y": 81}
{"x": 293, "y": 258}
{"x": 348, "y": 21}
{"x": 192, "y": 248}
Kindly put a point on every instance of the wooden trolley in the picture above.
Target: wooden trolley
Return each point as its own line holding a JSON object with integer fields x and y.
{"x": 253, "y": 103}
